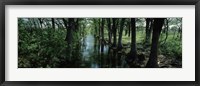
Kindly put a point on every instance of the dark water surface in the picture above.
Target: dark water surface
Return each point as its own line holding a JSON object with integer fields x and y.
{"x": 96, "y": 54}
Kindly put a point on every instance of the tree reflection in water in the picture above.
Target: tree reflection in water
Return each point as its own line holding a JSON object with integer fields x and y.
{"x": 96, "y": 54}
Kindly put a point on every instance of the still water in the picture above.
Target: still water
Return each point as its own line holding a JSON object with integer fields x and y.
{"x": 96, "y": 54}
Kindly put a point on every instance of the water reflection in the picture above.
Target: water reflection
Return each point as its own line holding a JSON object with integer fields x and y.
{"x": 97, "y": 54}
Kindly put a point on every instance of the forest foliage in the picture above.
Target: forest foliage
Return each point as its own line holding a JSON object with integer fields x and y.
{"x": 99, "y": 42}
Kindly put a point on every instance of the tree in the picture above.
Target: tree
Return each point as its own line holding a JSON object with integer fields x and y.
{"x": 166, "y": 28}
{"x": 53, "y": 23}
{"x": 133, "y": 40}
{"x": 149, "y": 25}
{"x": 120, "y": 34}
{"x": 157, "y": 27}
{"x": 102, "y": 34}
{"x": 40, "y": 20}
{"x": 128, "y": 27}
{"x": 76, "y": 26}
{"x": 179, "y": 25}
{"x": 109, "y": 30}
{"x": 99, "y": 28}
{"x": 114, "y": 30}
{"x": 102, "y": 29}
{"x": 95, "y": 22}
{"x": 70, "y": 27}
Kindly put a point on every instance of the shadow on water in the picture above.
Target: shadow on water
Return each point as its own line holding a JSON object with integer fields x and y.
{"x": 94, "y": 53}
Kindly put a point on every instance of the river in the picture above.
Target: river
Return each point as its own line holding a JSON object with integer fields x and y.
{"x": 96, "y": 54}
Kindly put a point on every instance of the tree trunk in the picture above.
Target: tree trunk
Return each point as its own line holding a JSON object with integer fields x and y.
{"x": 76, "y": 25}
{"x": 102, "y": 34}
{"x": 40, "y": 20}
{"x": 120, "y": 34}
{"x": 114, "y": 30}
{"x": 109, "y": 30}
{"x": 53, "y": 23}
{"x": 166, "y": 31}
{"x": 95, "y": 27}
{"x": 148, "y": 30}
{"x": 179, "y": 32}
{"x": 99, "y": 28}
{"x": 102, "y": 29}
{"x": 157, "y": 27}
{"x": 133, "y": 51}
{"x": 70, "y": 26}
{"x": 129, "y": 30}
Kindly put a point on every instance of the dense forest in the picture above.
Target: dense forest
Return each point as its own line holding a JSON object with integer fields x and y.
{"x": 99, "y": 42}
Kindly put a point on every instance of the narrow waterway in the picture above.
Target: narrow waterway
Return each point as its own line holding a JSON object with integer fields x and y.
{"x": 96, "y": 54}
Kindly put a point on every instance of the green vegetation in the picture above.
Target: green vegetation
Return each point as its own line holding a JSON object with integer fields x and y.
{"x": 92, "y": 43}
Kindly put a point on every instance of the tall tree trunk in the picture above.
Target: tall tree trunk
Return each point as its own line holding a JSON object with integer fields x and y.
{"x": 133, "y": 52}
{"x": 109, "y": 30}
{"x": 166, "y": 30}
{"x": 53, "y": 23}
{"x": 69, "y": 26}
{"x": 40, "y": 20}
{"x": 120, "y": 34}
{"x": 102, "y": 34}
{"x": 174, "y": 33}
{"x": 102, "y": 29}
{"x": 99, "y": 28}
{"x": 76, "y": 25}
{"x": 70, "y": 29}
{"x": 148, "y": 31}
{"x": 157, "y": 27}
{"x": 179, "y": 32}
{"x": 129, "y": 30}
{"x": 114, "y": 29}
{"x": 95, "y": 27}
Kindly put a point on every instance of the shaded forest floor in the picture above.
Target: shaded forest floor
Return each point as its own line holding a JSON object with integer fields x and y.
{"x": 169, "y": 54}
{"x": 164, "y": 61}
